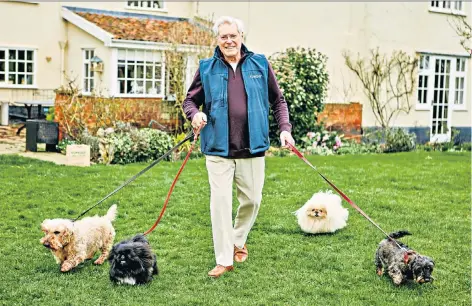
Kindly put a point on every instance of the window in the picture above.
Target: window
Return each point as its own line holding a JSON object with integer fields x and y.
{"x": 88, "y": 73}
{"x": 153, "y": 5}
{"x": 423, "y": 80}
{"x": 447, "y": 6}
{"x": 17, "y": 67}
{"x": 140, "y": 73}
{"x": 441, "y": 79}
{"x": 459, "y": 82}
{"x": 25, "y": 1}
{"x": 192, "y": 67}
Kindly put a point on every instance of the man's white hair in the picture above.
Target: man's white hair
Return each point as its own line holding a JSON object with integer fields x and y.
{"x": 230, "y": 20}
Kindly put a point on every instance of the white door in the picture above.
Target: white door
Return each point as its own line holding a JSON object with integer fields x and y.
{"x": 440, "y": 103}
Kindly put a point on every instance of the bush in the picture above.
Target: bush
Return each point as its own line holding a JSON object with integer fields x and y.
{"x": 182, "y": 151}
{"x": 277, "y": 151}
{"x": 397, "y": 140}
{"x": 62, "y": 145}
{"x": 445, "y": 147}
{"x": 139, "y": 145}
{"x": 303, "y": 79}
{"x": 352, "y": 147}
{"x": 322, "y": 142}
{"x": 87, "y": 139}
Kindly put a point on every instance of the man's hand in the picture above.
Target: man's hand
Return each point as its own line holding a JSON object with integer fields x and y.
{"x": 199, "y": 119}
{"x": 286, "y": 137}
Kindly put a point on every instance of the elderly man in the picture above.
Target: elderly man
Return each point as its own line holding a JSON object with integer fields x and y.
{"x": 235, "y": 88}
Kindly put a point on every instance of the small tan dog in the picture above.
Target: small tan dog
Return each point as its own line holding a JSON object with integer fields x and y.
{"x": 73, "y": 242}
{"x": 323, "y": 213}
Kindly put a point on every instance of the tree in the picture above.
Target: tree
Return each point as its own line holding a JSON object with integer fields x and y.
{"x": 303, "y": 79}
{"x": 187, "y": 42}
{"x": 464, "y": 30}
{"x": 388, "y": 82}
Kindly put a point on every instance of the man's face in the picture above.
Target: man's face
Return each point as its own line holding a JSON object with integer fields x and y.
{"x": 229, "y": 40}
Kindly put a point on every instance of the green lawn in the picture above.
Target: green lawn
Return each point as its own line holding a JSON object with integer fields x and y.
{"x": 425, "y": 193}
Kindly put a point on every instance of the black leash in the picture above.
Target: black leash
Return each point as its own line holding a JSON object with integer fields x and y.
{"x": 188, "y": 137}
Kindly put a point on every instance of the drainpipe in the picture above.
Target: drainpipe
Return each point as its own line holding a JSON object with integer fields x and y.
{"x": 62, "y": 45}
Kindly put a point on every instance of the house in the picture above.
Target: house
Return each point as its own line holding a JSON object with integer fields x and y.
{"x": 69, "y": 38}
{"x": 111, "y": 49}
{"x": 443, "y": 92}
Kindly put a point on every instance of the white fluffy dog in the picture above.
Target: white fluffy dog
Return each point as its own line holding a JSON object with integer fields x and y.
{"x": 73, "y": 242}
{"x": 323, "y": 213}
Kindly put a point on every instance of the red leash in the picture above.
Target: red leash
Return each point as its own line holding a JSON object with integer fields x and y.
{"x": 197, "y": 132}
{"x": 340, "y": 192}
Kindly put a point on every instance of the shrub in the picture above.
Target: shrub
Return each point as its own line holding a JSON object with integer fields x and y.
{"x": 303, "y": 79}
{"x": 352, "y": 147}
{"x": 397, "y": 140}
{"x": 139, "y": 145}
{"x": 62, "y": 145}
{"x": 277, "y": 151}
{"x": 182, "y": 151}
{"x": 87, "y": 139}
{"x": 321, "y": 142}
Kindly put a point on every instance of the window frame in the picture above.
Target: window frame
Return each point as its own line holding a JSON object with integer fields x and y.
{"x": 90, "y": 76}
{"x": 424, "y": 72}
{"x": 451, "y": 10}
{"x": 140, "y": 8}
{"x": 117, "y": 78}
{"x": 460, "y": 74}
{"x": 6, "y": 72}
{"x": 454, "y": 74}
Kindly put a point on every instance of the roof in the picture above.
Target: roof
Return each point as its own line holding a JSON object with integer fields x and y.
{"x": 142, "y": 27}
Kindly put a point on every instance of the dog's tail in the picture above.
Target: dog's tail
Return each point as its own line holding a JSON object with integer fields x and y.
{"x": 111, "y": 213}
{"x": 399, "y": 234}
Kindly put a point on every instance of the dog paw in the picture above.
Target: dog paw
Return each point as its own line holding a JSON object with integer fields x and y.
{"x": 66, "y": 267}
{"x": 397, "y": 281}
{"x": 380, "y": 272}
{"x": 99, "y": 261}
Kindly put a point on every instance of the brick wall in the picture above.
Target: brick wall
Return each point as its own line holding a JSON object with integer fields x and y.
{"x": 95, "y": 112}
{"x": 345, "y": 118}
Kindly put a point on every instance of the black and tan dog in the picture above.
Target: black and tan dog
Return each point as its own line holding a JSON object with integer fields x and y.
{"x": 403, "y": 263}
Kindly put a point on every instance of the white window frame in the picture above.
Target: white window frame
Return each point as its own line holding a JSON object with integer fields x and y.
{"x": 447, "y": 7}
{"x": 142, "y": 7}
{"x": 148, "y": 54}
{"x": 452, "y": 85}
{"x": 191, "y": 69}
{"x": 24, "y": 1}
{"x": 424, "y": 72}
{"x": 461, "y": 73}
{"x": 453, "y": 74}
{"x": 25, "y": 61}
{"x": 88, "y": 76}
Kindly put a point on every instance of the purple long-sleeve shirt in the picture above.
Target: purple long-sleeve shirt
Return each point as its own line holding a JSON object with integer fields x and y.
{"x": 237, "y": 108}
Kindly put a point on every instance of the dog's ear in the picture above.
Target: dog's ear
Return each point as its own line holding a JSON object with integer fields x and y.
{"x": 66, "y": 235}
{"x": 430, "y": 259}
{"x": 45, "y": 225}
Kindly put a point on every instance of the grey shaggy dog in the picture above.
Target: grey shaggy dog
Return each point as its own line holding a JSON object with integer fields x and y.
{"x": 400, "y": 266}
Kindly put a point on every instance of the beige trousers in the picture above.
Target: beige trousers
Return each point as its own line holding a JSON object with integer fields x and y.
{"x": 248, "y": 175}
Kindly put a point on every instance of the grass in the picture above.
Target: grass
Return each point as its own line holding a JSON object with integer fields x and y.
{"x": 426, "y": 193}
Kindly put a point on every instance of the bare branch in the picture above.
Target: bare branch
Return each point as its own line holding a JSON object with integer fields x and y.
{"x": 463, "y": 30}
{"x": 388, "y": 82}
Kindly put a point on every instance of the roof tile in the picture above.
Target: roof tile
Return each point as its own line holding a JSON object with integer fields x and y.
{"x": 153, "y": 30}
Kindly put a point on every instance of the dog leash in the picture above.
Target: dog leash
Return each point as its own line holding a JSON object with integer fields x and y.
{"x": 196, "y": 134}
{"x": 300, "y": 155}
{"x": 189, "y": 136}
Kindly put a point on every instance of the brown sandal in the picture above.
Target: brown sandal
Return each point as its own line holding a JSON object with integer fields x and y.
{"x": 219, "y": 270}
{"x": 240, "y": 255}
